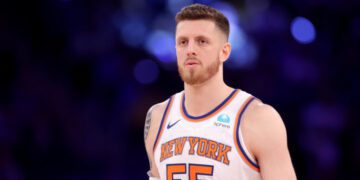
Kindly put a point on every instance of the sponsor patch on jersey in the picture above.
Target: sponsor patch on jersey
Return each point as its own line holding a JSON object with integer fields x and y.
{"x": 218, "y": 124}
{"x": 224, "y": 118}
{"x": 223, "y": 121}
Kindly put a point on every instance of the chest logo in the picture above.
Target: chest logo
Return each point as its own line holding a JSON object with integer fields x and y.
{"x": 224, "y": 118}
{"x": 223, "y": 121}
{"x": 173, "y": 124}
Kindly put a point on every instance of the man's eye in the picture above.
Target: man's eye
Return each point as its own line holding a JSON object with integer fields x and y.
{"x": 182, "y": 42}
{"x": 202, "y": 41}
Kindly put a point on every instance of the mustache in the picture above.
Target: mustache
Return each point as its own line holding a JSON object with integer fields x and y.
{"x": 192, "y": 58}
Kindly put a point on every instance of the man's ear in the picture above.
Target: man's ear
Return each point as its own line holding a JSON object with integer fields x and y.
{"x": 225, "y": 52}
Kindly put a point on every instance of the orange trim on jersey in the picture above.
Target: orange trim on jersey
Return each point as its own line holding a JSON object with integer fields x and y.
{"x": 163, "y": 122}
{"x": 242, "y": 153}
{"x": 211, "y": 113}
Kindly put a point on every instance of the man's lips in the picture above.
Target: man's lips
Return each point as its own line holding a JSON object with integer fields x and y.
{"x": 191, "y": 62}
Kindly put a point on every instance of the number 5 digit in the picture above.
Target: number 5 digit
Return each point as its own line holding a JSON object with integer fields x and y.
{"x": 172, "y": 169}
{"x": 194, "y": 170}
{"x": 199, "y": 169}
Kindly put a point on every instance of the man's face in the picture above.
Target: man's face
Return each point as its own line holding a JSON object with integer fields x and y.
{"x": 198, "y": 47}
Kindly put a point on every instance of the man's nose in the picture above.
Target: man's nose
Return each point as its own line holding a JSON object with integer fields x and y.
{"x": 191, "y": 50}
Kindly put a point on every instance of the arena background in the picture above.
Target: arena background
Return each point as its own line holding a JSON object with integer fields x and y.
{"x": 77, "y": 78}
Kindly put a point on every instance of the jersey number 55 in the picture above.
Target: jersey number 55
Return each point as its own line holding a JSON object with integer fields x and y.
{"x": 193, "y": 170}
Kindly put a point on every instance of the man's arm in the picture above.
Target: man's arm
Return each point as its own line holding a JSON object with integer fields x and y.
{"x": 265, "y": 135}
{"x": 151, "y": 127}
{"x": 146, "y": 133}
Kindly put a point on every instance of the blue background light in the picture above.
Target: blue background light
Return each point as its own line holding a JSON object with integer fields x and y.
{"x": 133, "y": 32}
{"x": 175, "y": 6}
{"x": 161, "y": 44}
{"x": 146, "y": 71}
{"x": 303, "y": 30}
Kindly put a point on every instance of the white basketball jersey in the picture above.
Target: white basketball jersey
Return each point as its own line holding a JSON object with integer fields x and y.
{"x": 204, "y": 147}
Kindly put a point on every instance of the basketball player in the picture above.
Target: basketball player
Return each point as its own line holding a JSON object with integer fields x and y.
{"x": 211, "y": 130}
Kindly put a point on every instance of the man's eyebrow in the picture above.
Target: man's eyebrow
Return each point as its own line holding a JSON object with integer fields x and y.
{"x": 196, "y": 37}
{"x": 202, "y": 37}
{"x": 181, "y": 38}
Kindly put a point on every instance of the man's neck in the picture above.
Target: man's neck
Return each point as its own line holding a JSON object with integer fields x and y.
{"x": 202, "y": 98}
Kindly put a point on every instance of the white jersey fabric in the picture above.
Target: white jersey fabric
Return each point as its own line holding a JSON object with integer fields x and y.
{"x": 204, "y": 147}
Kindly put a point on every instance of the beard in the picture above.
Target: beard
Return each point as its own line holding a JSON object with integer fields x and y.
{"x": 200, "y": 75}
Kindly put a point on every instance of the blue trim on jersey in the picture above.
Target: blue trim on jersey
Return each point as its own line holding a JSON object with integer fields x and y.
{"x": 209, "y": 113}
{"x": 237, "y": 133}
{"x": 162, "y": 122}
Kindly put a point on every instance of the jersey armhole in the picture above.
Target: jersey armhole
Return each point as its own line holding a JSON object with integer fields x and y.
{"x": 163, "y": 121}
{"x": 239, "y": 142}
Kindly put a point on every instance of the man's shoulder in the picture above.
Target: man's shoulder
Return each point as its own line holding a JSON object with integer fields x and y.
{"x": 158, "y": 109}
{"x": 263, "y": 127}
{"x": 262, "y": 119}
{"x": 152, "y": 121}
{"x": 261, "y": 110}
{"x": 156, "y": 112}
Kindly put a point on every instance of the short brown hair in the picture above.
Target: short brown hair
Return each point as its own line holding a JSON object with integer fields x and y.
{"x": 200, "y": 11}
